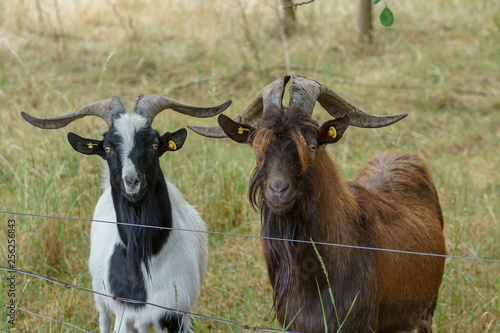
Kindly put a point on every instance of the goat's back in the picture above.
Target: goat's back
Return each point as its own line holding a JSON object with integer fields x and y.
{"x": 400, "y": 195}
{"x": 401, "y": 177}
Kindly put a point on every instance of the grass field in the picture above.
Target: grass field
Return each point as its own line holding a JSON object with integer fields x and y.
{"x": 439, "y": 62}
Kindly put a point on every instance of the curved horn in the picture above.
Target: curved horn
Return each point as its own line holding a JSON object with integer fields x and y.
{"x": 270, "y": 96}
{"x": 106, "y": 109}
{"x": 306, "y": 92}
{"x": 249, "y": 115}
{"x": 150, "y": 105}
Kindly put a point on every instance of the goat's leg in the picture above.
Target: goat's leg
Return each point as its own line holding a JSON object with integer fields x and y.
{"x": 144, "y": 327}
{"x": 425, "y": 325}
{"x": 131, "y": 328}
{"x": 175, "y": 324}
{"x": 104, "y": 321}
{"x": 105, "y": 314}
{"x": 123, "y": 325}
{"x": 188, "y": 325}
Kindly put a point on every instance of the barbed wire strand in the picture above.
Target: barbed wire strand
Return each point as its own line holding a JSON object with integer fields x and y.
{"x": 497, "y": 261}
{"x": 128, "y": 300}
{"x": 59, "y": 322}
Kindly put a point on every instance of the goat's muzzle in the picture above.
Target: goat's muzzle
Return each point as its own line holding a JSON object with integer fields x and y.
{"x": 279, "y": 196}
{"x": 133, "y": 187}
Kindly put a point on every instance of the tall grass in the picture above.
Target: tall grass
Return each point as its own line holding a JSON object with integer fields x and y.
{"x": 439, "y": 63}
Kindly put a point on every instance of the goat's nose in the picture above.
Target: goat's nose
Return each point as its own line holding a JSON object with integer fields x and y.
{"x": 279, "y": 186}
{"x": 132, "y": 181}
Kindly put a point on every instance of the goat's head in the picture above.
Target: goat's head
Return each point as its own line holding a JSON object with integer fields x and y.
{"x": 131, "y": 147}
{"x": 286, "y": 140}
{"x": 285, "y": 144}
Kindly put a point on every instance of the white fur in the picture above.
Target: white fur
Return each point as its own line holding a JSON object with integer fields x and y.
{"x": 181, "y": 263}
{"x": 127, "y": 125}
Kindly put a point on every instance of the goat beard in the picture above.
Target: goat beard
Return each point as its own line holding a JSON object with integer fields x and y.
{"x": 138, "y": 238}
{"x": 281, "y": 255}
{"x": 137, "y": 242}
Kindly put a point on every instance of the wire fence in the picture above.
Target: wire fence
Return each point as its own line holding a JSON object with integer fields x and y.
{"x": 57, "y": 321}
{"x": 125, "y": 300}
{"x": 196, "y": 315}
{"x": 256, "y": 237}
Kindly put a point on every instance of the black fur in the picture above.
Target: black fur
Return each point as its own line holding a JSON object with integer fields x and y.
{"x": 152, "y": 209}
{"x": 172, "y": 322}
{"x": 122, "y": 283}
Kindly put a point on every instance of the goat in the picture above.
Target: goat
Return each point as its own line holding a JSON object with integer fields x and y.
{"x": 391, "y": 204}
{"x": 135, "y": 260}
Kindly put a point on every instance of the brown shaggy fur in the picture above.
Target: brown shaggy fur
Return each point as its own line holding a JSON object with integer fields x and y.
{"x": 392, "y": 204}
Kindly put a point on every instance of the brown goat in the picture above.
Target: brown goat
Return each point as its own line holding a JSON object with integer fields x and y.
{"x": 392, "y": 204}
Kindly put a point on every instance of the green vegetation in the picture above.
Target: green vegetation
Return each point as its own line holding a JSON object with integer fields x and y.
{"x": 439, "y": 63}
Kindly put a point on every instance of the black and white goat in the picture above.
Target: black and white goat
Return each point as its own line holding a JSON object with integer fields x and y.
{"x": 159, "y": 266}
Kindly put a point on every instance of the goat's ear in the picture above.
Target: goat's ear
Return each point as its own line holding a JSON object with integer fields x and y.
{"x": 86, "y": 146}
{"x": 332, "y": 130}
{"x": 236, "y": 131}
{"x": 172, "y": 141}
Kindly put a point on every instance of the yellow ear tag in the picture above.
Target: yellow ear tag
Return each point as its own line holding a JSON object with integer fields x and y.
{"x": 241, "y": 130}
{"x": 172, "y": 145}
{"x": 91, "y": 145}
{"x": 332, "y": 132}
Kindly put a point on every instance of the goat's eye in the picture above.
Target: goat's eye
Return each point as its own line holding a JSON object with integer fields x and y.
{"x": 155, "y": 146}
{"x": 107, "y": 150}
{"x": 312, "y": 147}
